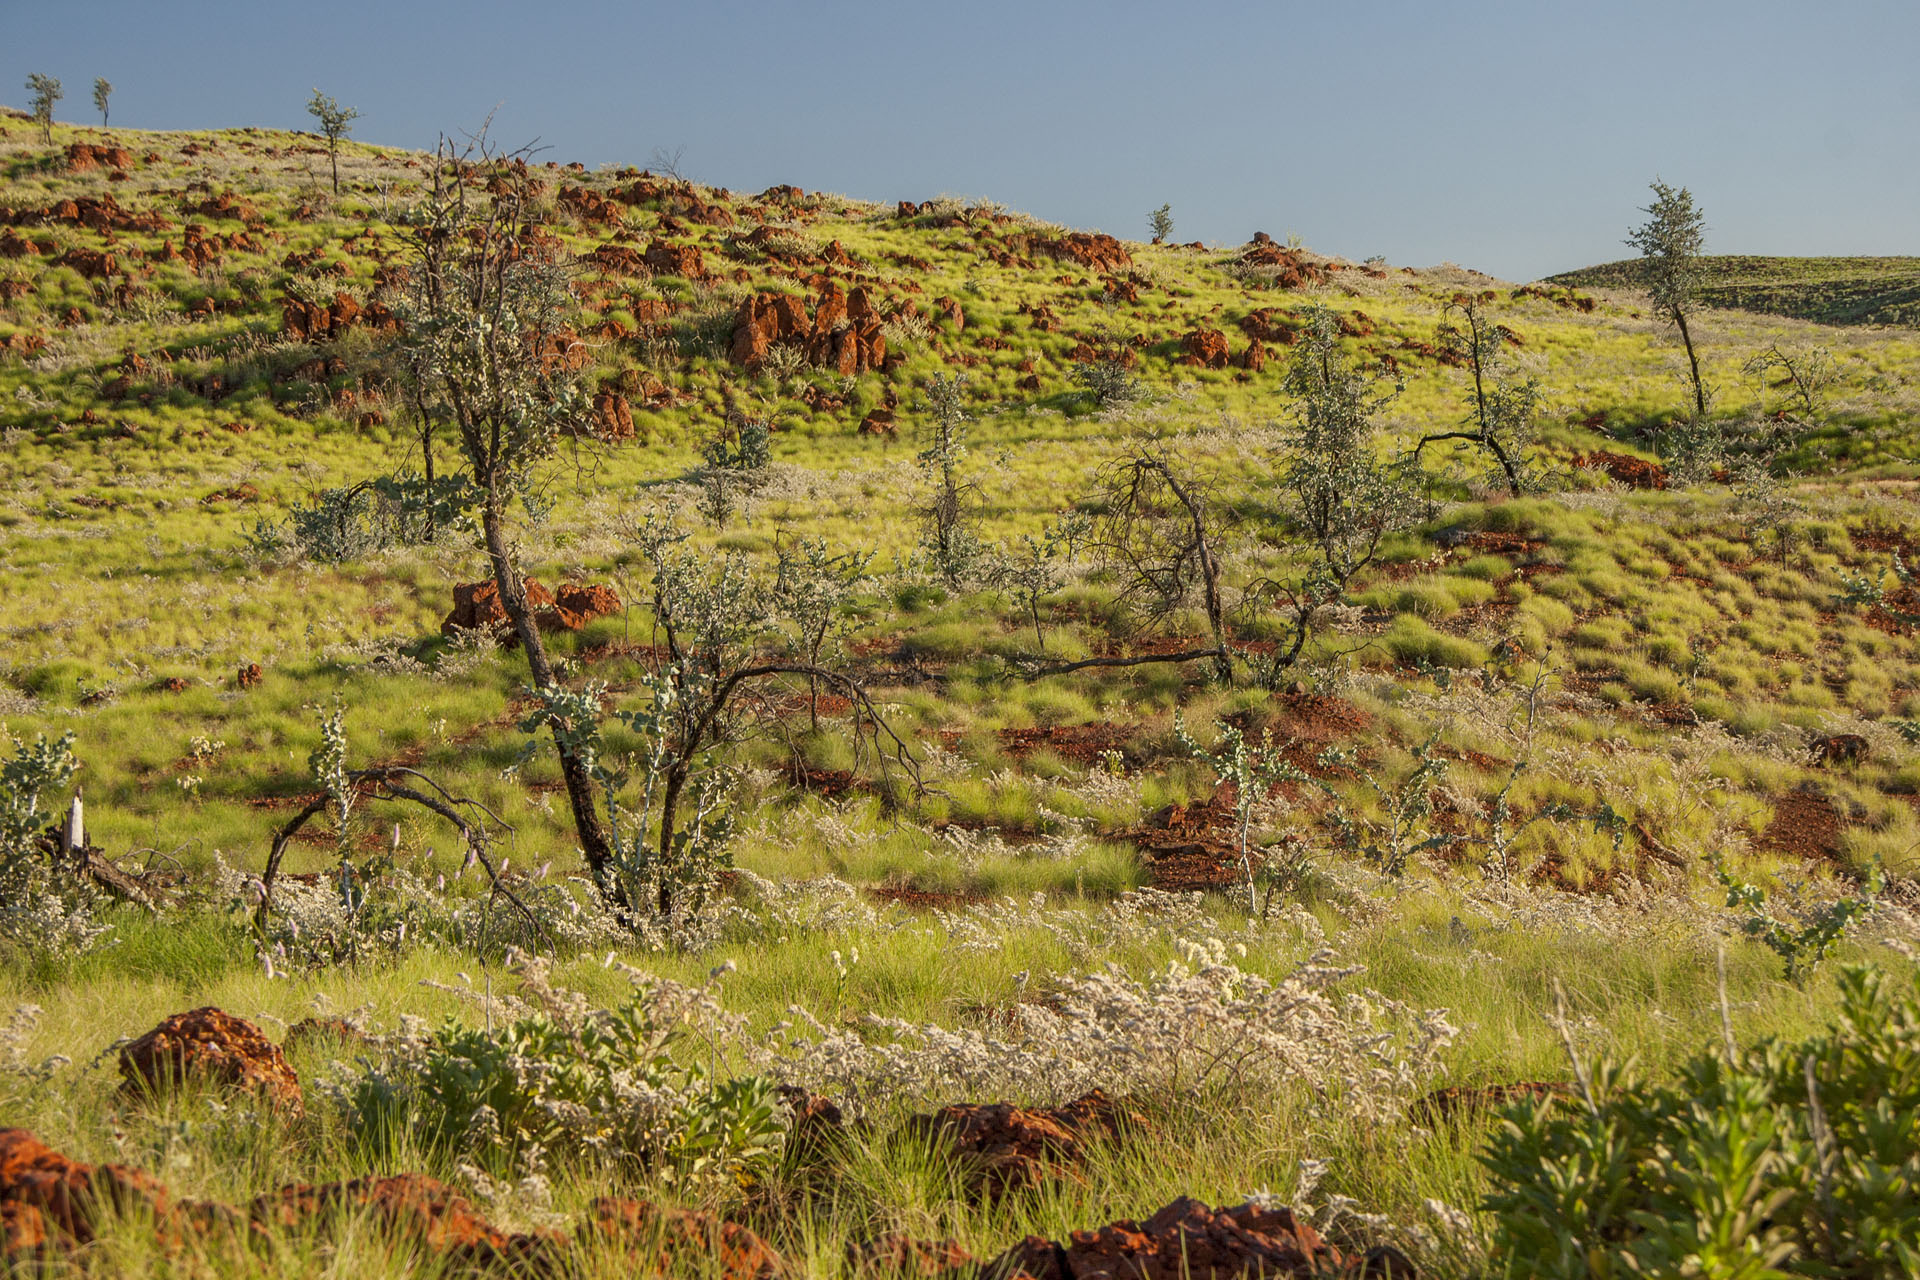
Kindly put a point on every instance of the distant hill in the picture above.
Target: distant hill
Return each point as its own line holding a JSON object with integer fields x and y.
{"x": 1826, "y": 290}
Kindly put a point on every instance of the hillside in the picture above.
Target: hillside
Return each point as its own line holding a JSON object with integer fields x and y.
{"x": 1824, "y": 290}
{"x": 1149, "y": 713}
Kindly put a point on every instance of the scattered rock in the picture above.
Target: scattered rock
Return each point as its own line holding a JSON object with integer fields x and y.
{"x": 612, "y": 416}
{"x": 212, "y": 1046}
{"x": 327, "y": 1031}
{"x": 477, "y": 605}
{"x": 248, "y": 677}
{"x": 576, "y": 604}
{"x": 1188, "y": 1240}
{"x": 82, "y": 156}
{"x": 671, "y": 1242}
{"x": 1093, "y": 250}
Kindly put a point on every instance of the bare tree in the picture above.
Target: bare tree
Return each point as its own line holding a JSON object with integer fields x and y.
{"x": 489, "y": 354}
{"x": 1157, "y": 529}
{"x": 1669, "y": 243}
{"x": 336, "y": 122}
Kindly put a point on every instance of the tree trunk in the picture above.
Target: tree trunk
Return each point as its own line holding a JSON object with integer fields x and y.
{"x": 595, "y": 844}
{"x": 333, "y": 155}
{"x": 1693, "y": 364}
{"x": 669, "y": 819}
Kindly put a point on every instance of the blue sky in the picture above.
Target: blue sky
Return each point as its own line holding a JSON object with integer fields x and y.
{"x": 1513, "y": 138}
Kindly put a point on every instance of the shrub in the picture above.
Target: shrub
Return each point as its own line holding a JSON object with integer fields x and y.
{"x": 562, "y": 1079}
{"x": 44, "y": 908}
{"x": 1787, "y": 1160}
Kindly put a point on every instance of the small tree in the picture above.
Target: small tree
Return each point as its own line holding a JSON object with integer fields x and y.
{"x": 1161, "y": 223}
{"x": 1253, "y": 769}
{"x": 102, "y": 90}
{"x": 1669, "y": 243}
{"x": 1156, "y": 527}
{"x": 487, "y": 351}
{"x": 1346, "y": 498}
{"x": 956, "y": 550}
{"x": 1503, "y": 410}
{"x": 45, "y": 91}
{"x": 336, "y": 123}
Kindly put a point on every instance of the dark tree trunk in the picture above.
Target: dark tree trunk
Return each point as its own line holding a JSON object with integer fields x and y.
{"x": 595, "y": 844}
{"x": 1693, "y": 364}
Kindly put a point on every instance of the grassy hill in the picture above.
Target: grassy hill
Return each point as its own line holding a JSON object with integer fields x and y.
{"x": 1824, "y": 290}
{"x": 1519, "y": 748}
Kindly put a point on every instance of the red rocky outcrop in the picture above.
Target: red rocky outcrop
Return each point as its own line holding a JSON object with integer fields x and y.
{"x": 211, "y": 1046}
{"x": 48, "y": 1200}
{"x": 842, "y": 331}
{"x": 1093, "y": 250}
{"x": 1206, "y": 348}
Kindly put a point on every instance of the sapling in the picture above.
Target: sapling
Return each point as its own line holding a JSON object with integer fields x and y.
{"x": 1251, "y": 768}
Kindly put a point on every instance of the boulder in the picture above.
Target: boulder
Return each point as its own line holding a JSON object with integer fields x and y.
{"x": 211, "y": 1046}
{"x": 48, "y": 1200}
{"x": 1206, "y": 348}
{"x": 576, "y": 604}
{"x": 1008, "y": 1148}
{"x": 477, "y": 605}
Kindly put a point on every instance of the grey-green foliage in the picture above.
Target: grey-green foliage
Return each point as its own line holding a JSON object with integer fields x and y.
{"x": 1505, "y": 407}
{"x": 1160, "y": 222}
{"x": 1108, "y": 381}
{"x": 1804, "y": 941}
{"x": 1252, "y": 768}
{"x": 44, "y": 907}
{"x": 43, "y": 92}
{"x": 1670, "y": 242}
{"x": 336, "y": 122}
{"x": 563, "y": 1082}
{"x": 1346, "y": 497}
{"x": 958, "y": 556}
{"x": 1785, "y": 1160}
{"x": 102, "y": 90}
{"x": 347, "y": 523}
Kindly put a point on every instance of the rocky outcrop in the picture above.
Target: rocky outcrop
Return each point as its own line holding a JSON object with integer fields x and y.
{"x": 1092, "y": 250}
{"x": 209, "y": 1046}
{"x": 1205, "y": 348}
{"x": 841, "y": 331}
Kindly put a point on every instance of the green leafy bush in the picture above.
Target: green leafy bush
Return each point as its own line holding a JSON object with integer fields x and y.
{"x": 1789, "y": 1160}
{"x": 559, "y": 1079}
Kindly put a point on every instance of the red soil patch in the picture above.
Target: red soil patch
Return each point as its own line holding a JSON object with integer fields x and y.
{"x": 1081, "y": 744}
{"x": 1805, "y": 825}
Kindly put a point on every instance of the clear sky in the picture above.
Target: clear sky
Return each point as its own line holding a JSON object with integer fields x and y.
{"x": 1516, "y": 138}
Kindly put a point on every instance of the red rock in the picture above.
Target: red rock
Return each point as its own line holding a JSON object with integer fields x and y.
{"x": 612, "y": 416}
{"x": 211, "y": 1046}
{"x": 1841, "y": 748}
{"x": 1206, "y": 348}
{"x": 908, "y": 1258}
{"x": 410, "y": 1206}
{"x": 477, "y": 604}
{"x": 675, "y": 260}
{"x": 51, "y": 1200}
{"x": 1635, "y": 473}
{"x": 1187, "y": 1240}
{"x": 576, "y": 604}
{"x": 1254, "y": 358}
{"x": 1009, "y": 1148}
{"x": 673, "y": 1242}
{"x": 248, "y": 676}
{"x": 1101, "y": 253}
